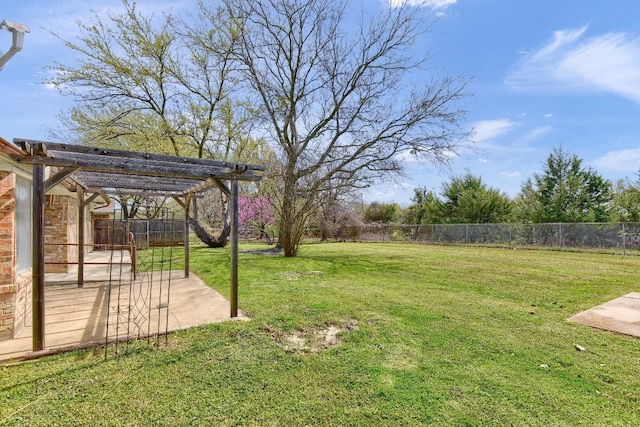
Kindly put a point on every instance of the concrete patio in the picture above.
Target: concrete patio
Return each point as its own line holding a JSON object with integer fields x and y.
{"x": 621, "y": 315}
{"x": 79, "y": 317}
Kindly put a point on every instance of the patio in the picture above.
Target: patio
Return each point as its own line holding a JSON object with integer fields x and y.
{"x": 621, "y": 315}
{"x": 79, "y": 317}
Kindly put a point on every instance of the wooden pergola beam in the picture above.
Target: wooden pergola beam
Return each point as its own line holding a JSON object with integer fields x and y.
{"x": 59, "y": 176}
{"x": 203, "y": 186}
{"x": 144, "y": 193}
{"x": 129, "y": 167}
{"x": 27, "y": 145}
{"x": 34, "y": 148}
{"x": 110, "y": 179}
{"x": 91, "y": 198}
{"x": 222, "y": 186}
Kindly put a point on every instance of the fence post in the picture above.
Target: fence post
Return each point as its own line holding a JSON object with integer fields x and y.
{"x": 560, "y": 235}
{"x": 624, "y": 240}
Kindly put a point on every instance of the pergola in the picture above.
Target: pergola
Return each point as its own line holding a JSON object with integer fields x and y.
{"x": 102, "y": 171}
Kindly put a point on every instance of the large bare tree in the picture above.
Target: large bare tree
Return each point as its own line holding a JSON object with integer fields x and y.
{"x": 335, "y": 96}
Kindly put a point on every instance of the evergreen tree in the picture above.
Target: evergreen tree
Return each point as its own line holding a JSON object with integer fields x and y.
{"x": 565, "y": 191}
{"x": 425, "y": 208}
{"x": 626, "y": 201}
{"x": 467, "y": 200}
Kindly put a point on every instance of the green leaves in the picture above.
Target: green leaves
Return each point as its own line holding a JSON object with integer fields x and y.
{"x": 468, "y": 200}
{"x": 566, "y": 191}
{"x": 465, "y": 200}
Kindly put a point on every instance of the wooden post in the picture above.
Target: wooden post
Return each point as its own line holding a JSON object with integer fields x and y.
{"x": 37, "y": 260}
{"x": 187, "y": 203}
{"x": 234, "y": 248}
{"x": 80, "y": 194}
{"x": 195, "y": 208}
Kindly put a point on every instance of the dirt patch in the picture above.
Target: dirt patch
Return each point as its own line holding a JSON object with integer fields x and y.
{"x": 295, "y": 275}
{"x": 313, "y": 339}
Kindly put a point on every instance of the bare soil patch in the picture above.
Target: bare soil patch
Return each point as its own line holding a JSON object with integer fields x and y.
{"x": 313, "y": 339}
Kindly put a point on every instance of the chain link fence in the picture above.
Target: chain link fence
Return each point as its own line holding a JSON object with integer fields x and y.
{"x": 619, "y": 238}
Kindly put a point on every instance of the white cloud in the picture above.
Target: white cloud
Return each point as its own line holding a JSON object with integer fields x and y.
{"x": 532, "y": 135}
{"x": 607, "y": 62}
{"x": 487, "y": 129}
{"x": 389, "y": 193}
{"x": 481, "y": 160}
{"x": 434, "y": 4}
{"x": 619, "y": 161}
{"x": 380, "y": 195}
{"x": 510, "y": 174}
{"x": 548, "y": 116}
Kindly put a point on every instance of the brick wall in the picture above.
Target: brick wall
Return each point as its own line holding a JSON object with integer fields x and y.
{"x": 7, "y": 227}
{"x": 15, "y": 290}
{"x": 7, "y": 253}
{"x": 61, "y": 215}
{"x": 60, "y": 229}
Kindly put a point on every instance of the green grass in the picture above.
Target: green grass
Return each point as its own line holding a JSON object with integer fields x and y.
{"x": 444, "y": 336}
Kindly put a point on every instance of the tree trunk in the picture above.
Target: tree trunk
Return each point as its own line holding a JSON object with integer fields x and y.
{"x": 289, "y": 246}
{"x": 279, "y": 244}
{"x": 288, "y": 220}
{"x": 293, "y": 222}
{"x": 208, "y": 239}
{"x": 202, "y": 233}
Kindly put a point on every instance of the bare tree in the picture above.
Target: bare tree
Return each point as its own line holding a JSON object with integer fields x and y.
{"x": 140, "y": 206}
{"x": 156, "y": 84}
{"x": 335, "y": 99}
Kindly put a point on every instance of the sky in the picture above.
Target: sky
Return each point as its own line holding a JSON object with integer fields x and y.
{"x": 543, "y": 74}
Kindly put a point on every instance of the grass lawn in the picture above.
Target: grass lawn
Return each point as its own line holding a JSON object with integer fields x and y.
{"x": 431, "y": 336}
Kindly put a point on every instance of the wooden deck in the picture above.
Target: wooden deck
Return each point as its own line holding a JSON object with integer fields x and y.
{"x": 153, "y": 303}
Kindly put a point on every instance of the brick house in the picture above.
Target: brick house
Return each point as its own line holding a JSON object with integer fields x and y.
{"x": 15, "y": 243}
{"x": 61, "y": 237}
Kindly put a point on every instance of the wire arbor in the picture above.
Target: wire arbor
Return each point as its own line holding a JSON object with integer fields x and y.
{"x": 139, "y": 297}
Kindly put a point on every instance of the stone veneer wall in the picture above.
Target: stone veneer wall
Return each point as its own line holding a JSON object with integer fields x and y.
{"x": 15, "y": 290}
{"x": 22, "y": 303}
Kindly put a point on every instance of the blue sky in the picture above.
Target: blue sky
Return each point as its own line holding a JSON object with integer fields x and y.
{"x": 544, "y": 73}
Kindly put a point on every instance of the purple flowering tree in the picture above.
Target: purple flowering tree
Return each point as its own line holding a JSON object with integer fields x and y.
{"x": 256, "y": 217}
